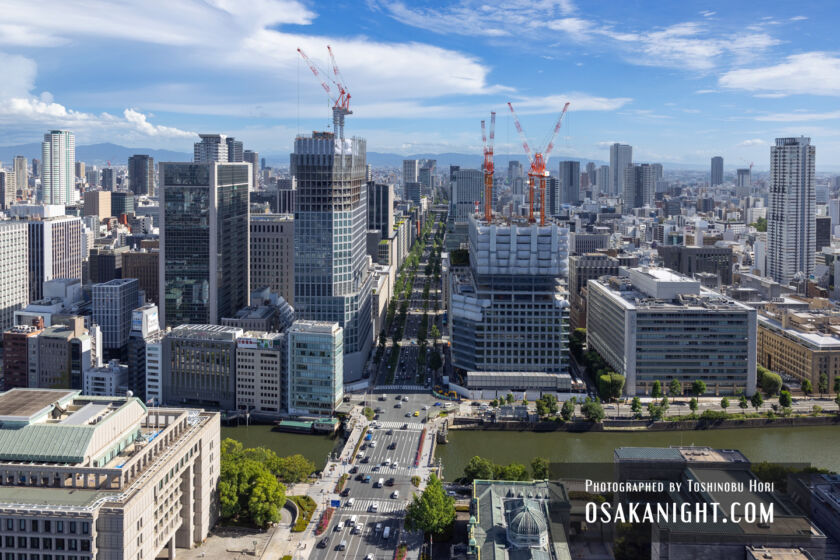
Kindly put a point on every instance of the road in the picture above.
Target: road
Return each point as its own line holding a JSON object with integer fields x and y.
{"x": 390, "y": 511}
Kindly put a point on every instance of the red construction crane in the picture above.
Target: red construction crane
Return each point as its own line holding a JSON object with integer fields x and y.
{"x": 538, "y": 163}
{"x": 488, "y": 166}
{"x": 341, "y": 104}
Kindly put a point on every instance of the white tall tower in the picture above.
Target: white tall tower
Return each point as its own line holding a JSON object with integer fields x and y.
{"x": 791, "y": 220}
{"x": 58, "y": 176}
{"x": 621, "y": 155}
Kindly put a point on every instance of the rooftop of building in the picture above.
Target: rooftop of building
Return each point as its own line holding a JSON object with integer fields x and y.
{"x": 325, "y": 327}
{"x": 205, "y": 332}
{"x": 683, "y": 454}
{"x": 58, "y": 426}
{"x": 768, "y": 553}
{"x": 272, "y": 217}
{"x": 817, "y": 328}
{"x": 116, "y": 283}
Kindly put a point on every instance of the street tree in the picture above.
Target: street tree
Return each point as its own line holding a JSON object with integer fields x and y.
{"x": 822, "y": 384}
{"x": 568, "y": 410}
{"x": 724, "y": 403}
{"x": 675, "y": 388}
{"x": 756, "y": 400}
{"x": 807, "y": 388}
{"x": 478, "y": 468}
{"x": 837, "y": 384}
{"x": 743, "y": 404}
{"x": 592, "y": 411}
{"x": 636, "y": 406}
{"x": 656, "y": 390}
{"x": 432, "y": 511}
{"x": 693, "y": 405}
{"x": 698, "y": 388}
{"x": 785, "y": 399}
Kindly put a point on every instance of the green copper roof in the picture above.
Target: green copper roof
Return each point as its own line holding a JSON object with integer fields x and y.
{"x": 45, "y": 443}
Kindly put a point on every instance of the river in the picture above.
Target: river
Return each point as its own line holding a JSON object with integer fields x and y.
{"x": 817, "y": 445}
{"x": 313, "y": 447}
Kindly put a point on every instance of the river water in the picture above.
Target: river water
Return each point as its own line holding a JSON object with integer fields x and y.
{"x": 816, "y": 445}
{"x": 313, "y": 447}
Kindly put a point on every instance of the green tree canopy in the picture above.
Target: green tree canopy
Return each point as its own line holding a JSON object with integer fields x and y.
{"x": 693, "y": 404}
{"x": 513, "y": 471}
{"x": 698, "y": 388}
{"x": 822, "y": 385}
{"x": 478, "y": 468}
{"x": 593, "y": 411}
{"x": 248, "y": 489}
{"x": 540, "y": 468}
{"x": 432, "y": 511}
{"x": 675, "y": 388}
{"x": 771, "y": 383}
{"x": 546, "y": 405}
{"x": 656, "y": 390}
{"x": 724, "y": 403}
{"x": 756, "y": 400}
{"x": 807, "y": 388}
{"x": 785, "y": 399}
{"x": 568, "y": 410}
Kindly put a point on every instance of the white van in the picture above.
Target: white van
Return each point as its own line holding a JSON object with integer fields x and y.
{"x": 395, "y": 494}
{"x": 387, "y": 462}
{"x": 342, "y": 545}
{"x": 380, "y": 482}
{"x": 352, "y": 522}
{"x": 386, "y": 533}
{"x": 374, "y": 507}
{"x": 350, "y": 502}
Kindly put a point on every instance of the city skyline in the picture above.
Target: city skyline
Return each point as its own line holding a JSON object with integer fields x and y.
{"x": 702, "y": 80}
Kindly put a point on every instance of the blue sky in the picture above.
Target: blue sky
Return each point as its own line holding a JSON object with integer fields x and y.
{"x": 680, "y": 81}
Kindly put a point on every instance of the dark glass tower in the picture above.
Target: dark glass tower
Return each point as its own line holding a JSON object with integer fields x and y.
{"x": 204, "y": 241}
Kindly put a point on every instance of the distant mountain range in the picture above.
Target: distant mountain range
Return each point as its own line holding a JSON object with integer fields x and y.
{"x": 94, "y": 154}
{"x": 100, "y": 154}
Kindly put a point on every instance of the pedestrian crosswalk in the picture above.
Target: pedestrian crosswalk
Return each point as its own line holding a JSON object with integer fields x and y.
{"x": 399, "y": 425}
{"x": 385, "y": 472}
{"x": 416, "y": 388}
{"x": 385, "y": 505}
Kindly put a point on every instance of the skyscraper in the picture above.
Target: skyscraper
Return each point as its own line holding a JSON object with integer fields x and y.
{"x": 717, "y": 171}
{"x": 273, "y": 254}
{"x": 570, "y": 181}
{"x": 621, "y": 155}
{"x": 204, "y": 241}
{"x": 14, "y": 281}
{"x": 108, "y": 179}
{"x": 213, "y": 147}
{"x": 7, "y": 189}
{"x": 514, "y": 171}
{"x": 332, "y": 281}
{"x": 113, "y": 303}
{"x": 234, "y": 149}
{"x": 380, "y": 207}
{"x": 55, "y": 251}
{"x": 141, "y": 174}
{"x": 639, "y": 186}
{"x": 602, "y": 180}
{"x": 21, "y": 175}
{"x": 252, "y": 157}
{"x": 411, "y": 171}
{"x": 467, "y": 191}
{"x": 315, "y": 367}
{"x": 58, "y": 178}
{"x": 592, "y": 172}
{"x": 791, "y": 217}
{"x": 743, "y": 181}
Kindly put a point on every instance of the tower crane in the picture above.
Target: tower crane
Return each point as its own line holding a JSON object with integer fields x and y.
{"x": 488, "y": 166}
{"x": 341, "y": 104}
{"x": 538, "y": 161}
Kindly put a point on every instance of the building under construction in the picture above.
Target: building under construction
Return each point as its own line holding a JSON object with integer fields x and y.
{"x": 510, "y": 310}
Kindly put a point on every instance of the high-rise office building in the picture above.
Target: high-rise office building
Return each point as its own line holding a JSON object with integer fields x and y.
{"x": 58, "y": 179}
{"x": 80, "y": 169}
{"x": 717, "y": 171}
{"x": 97, "y": 203}
{"x": 514, "y": 171}
{"x": 791, "y": 217}
{"x": 17, "y": 354}
{"x": 213, "y": 147}
{"x": 315, "y": 368}
{"x": 583, "y": 268}
{"x": 501, "y": 305}
{"x": 145, "y": 325}
{"x": 570, "y": 181}
{"x": 204, "y": 246}
{"x": 14, "y": 262}
{"x": 36, "y": 168}
{"x": 658, "y": 171}
{"x": 380, "y": 207}
{"x": 199, "y": 366}
{"x": 632, "y": 320}
{"x": 411, "y": 171}
{"x": 412, "y": 192}
{"x": 426, "y": 175}
{"x": 252, "y": 157}
{"x": 92, "y": 177}
{"x": 21, "y": 175}
{"x": 234, "y": 150}
{"x": 639, "y": 186}
{"x": 144, "y": 265}
{"x": 113, "y": 304}
{"x": 55, "y": 251}
{"x": 141, "y": 174}
{"x": 468, "y": 191}
{"x": 108, "y": 179}
{"x": 602, "y": 179}
{"x": 107, "y": 466}
{"x": 273, "y": 254}
{"x": 592, "y": 171}
{"x": 332, "y": 280}
{"x": 621, "y": 155}
{"x": 743, "y": 181}
{"x": 823, "y": 229}
{"x": 7, "y": 189}
{"x": 122, "y": 203}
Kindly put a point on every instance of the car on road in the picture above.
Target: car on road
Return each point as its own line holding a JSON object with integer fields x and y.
{"x": 367, "y": 479}
{"x": 366, "y": 460}
{"x": 405, "y": 399}
{"x": 375, "y": 469}
{"x": 369, "y": 556}
{"x": 345, "y": 492}
{"x": 426, "y": 407}
{"x": 374, "y": 507}
{"x": 357, "y": 530}
{"x": 350, "y": 502}
{"x": 339, "y": 526}
{"x": 395, "y": 494}
{"x": 416, "y": 413}
{"x": 378, "y": 528}
{"x": 354, "y": 469}
{"x": 389, "y": 482}
{"x": 398, "y": 405}
{"x": 389, "y": 433}
{"x": 393, "y": 445}
{"x": 437, "y": 404}
{"x": 405, "y": 426}
{"x": 323, "y": 543}
{"x": 394, "y": 465}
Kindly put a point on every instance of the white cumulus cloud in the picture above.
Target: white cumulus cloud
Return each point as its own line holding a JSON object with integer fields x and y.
{"x": 816, "y": 73}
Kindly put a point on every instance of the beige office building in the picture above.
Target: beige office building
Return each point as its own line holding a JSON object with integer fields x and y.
{"x": 103, "y": 477}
